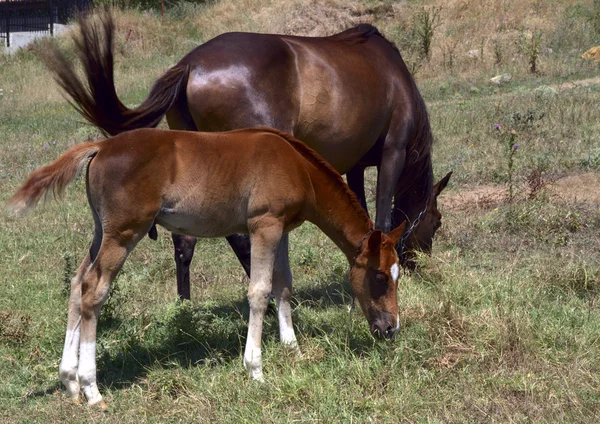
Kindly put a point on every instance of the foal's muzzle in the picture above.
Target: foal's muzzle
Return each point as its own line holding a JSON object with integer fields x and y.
{"x": 383, "y": 326}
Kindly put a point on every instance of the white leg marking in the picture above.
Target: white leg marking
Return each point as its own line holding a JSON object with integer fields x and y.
{"x": 398, "y": 322}
{"x": 253, "y": 359}
{"x": 286, "y": 329}
{"x": 395, "y": 271}
{"x": 68, "y": 364}
{"x": 87, "y": 372}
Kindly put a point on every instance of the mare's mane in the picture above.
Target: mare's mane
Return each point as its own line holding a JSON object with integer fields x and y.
{"x": 419, "y": 147}
{"x": 314, "y": 158}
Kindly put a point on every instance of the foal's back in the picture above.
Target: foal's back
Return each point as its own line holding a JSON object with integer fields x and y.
{"x": 200, "y": 184}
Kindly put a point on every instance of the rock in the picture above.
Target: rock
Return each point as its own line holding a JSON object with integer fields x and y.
{"x": 499, "y": 79}
{"x": 592, "y": 54}
{"x": 473, "y": 53}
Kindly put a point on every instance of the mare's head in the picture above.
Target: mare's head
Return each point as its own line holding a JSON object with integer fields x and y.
{"x": 374, "y": 280}
{"x": 422, "y": 236}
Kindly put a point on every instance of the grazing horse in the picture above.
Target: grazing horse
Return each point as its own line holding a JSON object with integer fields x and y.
{"x": 349, "y": 96}
{"x": 259, "y": 182}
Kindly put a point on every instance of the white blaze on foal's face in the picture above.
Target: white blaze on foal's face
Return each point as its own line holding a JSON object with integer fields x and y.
{"x": 395, "y": 272}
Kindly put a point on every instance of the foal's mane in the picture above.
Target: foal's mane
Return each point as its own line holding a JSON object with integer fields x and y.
{"x": 314, "y": 158}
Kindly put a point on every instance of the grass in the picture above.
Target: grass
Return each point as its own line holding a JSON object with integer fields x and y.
{"x": 501, "y": 323}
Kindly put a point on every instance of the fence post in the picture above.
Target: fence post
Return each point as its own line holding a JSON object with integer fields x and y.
{"x": 51, "y": 19}
{"x": 8, "y": 24}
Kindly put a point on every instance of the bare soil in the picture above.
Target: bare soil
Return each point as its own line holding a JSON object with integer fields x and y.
{"x": 580, "y": 188}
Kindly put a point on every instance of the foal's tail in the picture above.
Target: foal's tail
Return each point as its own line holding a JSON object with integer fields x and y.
{"x": 53, "y": 177}
{"x": 96, "y": 99}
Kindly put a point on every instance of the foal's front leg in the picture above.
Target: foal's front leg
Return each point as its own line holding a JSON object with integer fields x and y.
{"x": 265, "y": 241}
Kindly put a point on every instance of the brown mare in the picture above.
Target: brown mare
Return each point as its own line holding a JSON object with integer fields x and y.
{"x": 348, "y": 96}
{"x": 258, "y": 182}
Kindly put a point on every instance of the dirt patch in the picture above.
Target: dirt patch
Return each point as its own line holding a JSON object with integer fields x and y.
{"x": 580, "y": 188}
{"x": 578, "y": 83}
{"x": 576, "y": 188}
{"x": 480, "y": 197}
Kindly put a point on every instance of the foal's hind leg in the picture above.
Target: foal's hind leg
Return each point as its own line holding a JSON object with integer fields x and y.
{"x": 70, "y": 356}
{"x": 282, "y": 290}
{"x": 266, "y": 237}
{"x": 94, "y": 290}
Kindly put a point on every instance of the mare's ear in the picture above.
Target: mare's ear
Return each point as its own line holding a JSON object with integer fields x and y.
{"x": 441, "y": 184}
{"x": 397, "y": 232}
{"x": 374, "y": 242}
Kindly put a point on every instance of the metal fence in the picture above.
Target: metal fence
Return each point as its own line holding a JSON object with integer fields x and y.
{"x": 36, "y": 15}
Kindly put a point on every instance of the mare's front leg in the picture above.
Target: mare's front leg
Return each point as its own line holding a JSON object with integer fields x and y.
{"x": 266, "y": 237}
{"x": 356, "y": 182}
{"x": 282, "y": 290}
{"x": 388, "y": 172}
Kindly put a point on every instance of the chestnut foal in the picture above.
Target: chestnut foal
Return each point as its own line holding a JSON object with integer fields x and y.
{"x": 257, "y": 181}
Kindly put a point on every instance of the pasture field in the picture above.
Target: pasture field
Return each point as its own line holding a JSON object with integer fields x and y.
{"x": 500, "y": 324}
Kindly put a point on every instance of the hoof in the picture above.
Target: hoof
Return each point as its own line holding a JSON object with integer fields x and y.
{"x": 101, "y": 406}
{"x": 258, "y": 378}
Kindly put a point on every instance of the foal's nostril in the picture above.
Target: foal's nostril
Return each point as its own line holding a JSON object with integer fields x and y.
{"x": 382, "y": 332}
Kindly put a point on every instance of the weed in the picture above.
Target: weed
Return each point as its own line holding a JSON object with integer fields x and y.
{"x": 449, "y": 55}
{"x": 68, "y": 270}
{"x": 533, "y": 52}
{"x": 591, "y": 159}
{"x": 14, "y": 330}
{"x": 427, "y": 21}
{"x": 509, "y": 140}
{"x": 498, "y": 55}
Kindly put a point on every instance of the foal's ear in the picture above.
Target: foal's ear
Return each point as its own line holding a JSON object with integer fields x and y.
{"x": 441, "y": 184}
{"x": 397, "y": 232}
{"x": 374, "y": 242}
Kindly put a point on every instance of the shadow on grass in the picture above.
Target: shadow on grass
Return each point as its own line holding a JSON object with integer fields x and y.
{"x": 188, "y": 335}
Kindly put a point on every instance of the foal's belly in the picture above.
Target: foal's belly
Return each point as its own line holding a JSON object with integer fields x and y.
{"x": 202, "y": 222}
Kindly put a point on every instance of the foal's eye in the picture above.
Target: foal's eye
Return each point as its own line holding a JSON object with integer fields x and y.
{"x": 379, "y": 288}
{"x": 381, "y": 278}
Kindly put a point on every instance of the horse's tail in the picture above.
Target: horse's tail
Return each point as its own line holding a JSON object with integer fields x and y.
{"x": 53, "y": 177}
{"x": 97, "y": 101}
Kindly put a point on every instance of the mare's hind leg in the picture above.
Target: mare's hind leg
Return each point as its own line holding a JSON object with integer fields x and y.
{"x": 94, "y": 290}
{"x": 266, "y": 238}
{"x": 70, "y": 356}
{"x": 184, "y": 250}
{"x": 392, "y": 163}
{"x": 282, "y": 290}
